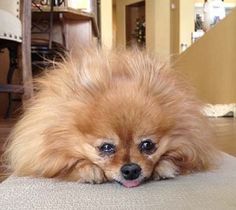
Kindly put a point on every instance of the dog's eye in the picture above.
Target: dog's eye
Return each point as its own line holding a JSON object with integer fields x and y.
{"x": 107, "y": 149}
{"x": 147, "y": 146}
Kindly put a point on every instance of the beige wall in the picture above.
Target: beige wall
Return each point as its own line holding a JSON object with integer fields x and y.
{"x": 158, "y": 26}
{"x": 182, "y": 24}
{"x": 174, "y": 28}
{"x": 210, "y": 63}
{"x": 114, "y": 31}
{"x": 186, "y": 21}
{"x": 106, "y": 23}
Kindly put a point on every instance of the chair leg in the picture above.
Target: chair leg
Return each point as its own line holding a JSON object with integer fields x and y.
{"x": 9, "y": 106}
{"x": 25, "y": 61}
{"x": 12, "y": 67}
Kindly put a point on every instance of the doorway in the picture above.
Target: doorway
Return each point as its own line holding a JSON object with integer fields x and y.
{"x": 135, "y": 24}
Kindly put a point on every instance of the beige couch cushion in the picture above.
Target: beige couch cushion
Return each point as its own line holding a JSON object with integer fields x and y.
{"x": 211, "y": 190}
{"x": 10, "y": 27}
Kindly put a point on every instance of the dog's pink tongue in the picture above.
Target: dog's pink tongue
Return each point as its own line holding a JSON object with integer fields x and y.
{"x": 130, "y": 184}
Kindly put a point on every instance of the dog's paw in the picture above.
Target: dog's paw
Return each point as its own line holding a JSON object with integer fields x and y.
{"x": 165, "y": 170}
{"x": 90, "y": 173}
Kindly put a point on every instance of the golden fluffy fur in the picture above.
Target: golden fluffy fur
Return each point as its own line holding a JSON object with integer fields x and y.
{"x": 120, "y": 98}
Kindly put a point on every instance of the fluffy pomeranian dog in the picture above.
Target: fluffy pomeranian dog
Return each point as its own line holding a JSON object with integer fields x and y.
{"x": 111, "y": 116}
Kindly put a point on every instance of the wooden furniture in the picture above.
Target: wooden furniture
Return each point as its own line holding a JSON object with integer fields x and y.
{"x": 62, "y": 20}
{"x": 70, "y": 14}
{"x": 16, "y": 37}
{"x": 58, "y": 24}
{"x": 43, "y": 48}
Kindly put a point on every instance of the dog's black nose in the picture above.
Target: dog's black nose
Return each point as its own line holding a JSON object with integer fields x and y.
{"x": 130, "y": 171}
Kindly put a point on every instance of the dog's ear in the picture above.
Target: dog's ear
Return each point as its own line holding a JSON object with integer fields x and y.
{"x": 54, "y": 164}
{"x": 47, "y": 154}
{"x": 57, "y": 157}
{"x": 192, "y": 155}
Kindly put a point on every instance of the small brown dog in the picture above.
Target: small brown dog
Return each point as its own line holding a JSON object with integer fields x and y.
{"x": 111, "y": 116}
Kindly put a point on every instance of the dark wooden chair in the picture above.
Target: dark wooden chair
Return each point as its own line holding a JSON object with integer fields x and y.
{"x": 43, "y": 46}
{"x": 15, "y": 35}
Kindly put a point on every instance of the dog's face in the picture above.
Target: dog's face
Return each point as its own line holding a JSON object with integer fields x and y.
{"x": 124, "y": 133}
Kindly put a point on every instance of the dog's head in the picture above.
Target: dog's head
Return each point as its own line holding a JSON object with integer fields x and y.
{"x": 123, "y": 133}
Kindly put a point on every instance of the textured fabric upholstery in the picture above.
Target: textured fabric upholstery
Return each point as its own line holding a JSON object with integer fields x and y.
{"x": 212, "y": 190}
{"x": 10, "y": 27}
{"x": 11, "y": 6}
{"x": 10, "y": 24}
